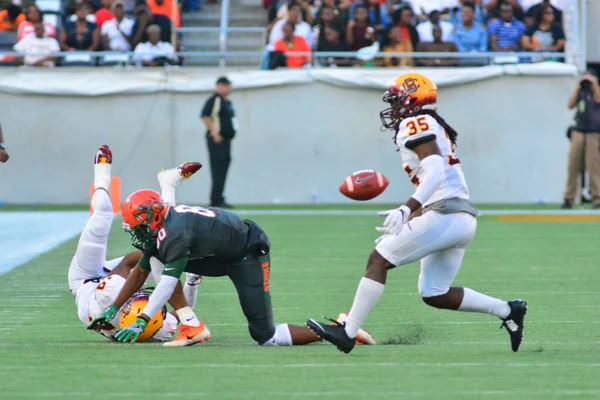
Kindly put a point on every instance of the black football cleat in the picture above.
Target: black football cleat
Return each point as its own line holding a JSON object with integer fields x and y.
{"x": 514, "y": 322}
{"x": 334, "y": 334}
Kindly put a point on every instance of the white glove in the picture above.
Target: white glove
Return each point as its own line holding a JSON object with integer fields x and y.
{"x": 394, "y": 220}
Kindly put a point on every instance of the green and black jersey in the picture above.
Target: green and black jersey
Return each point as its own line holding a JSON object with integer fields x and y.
{"x": 194, "y": 237}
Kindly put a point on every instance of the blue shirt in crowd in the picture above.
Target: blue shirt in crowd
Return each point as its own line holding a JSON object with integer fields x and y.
{"x": 509, "y": 33}
{"x": 473, "y": 39}
{"x": 456, "y": 15}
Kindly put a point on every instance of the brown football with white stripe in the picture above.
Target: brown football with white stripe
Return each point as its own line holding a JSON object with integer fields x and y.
{"x": 364, "y": 185}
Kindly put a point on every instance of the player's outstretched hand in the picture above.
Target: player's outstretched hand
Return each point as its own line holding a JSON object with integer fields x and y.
{"x": 132, "y": 331}
{"x": 103, "y": 320}
{"x": 394, "y": 220}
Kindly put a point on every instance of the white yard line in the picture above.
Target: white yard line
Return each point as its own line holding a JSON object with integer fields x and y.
{"x": 342, "y": 212}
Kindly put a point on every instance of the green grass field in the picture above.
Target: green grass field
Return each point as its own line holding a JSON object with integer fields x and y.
{"x": 45, "y": 352}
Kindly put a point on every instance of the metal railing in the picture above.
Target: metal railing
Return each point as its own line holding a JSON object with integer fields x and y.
{"x": 490, "y": 56}
{"x": 223, "y": 33}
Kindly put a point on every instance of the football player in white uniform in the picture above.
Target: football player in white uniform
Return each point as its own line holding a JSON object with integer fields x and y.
{"x": 442, "y": 226}
{"x": 96, "y": 282}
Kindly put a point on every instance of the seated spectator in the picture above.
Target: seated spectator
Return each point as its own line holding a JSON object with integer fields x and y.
{"x": 544, "y": 35}
{"x": 326, "y": 19}
{"x": 27, "y": 27}
{"x": 327, "y": 4}
{"x": 301, "y": 28}
{"x": 306, "y": 14}
{"x": 493, "y": 9}
{"x": 425, "y": 29}
{"x": 505, "y": 33}
{"x": 359, "y": 33}
{"x": 437, "y": 46}
{"x": 378, "y": 15}
{"x": 116, "y": 33}
{"x": 81, "y": 34}
{"x": 37, "y": 45}
{"x": 456, "y": 13}
{"x": 104, "y": 13}
{"x": 470, "y": 36}
{"x": 145, "y": 18}
{"x": 533, "y": 10}
{"x": 292, "y": 43}
{"x": 408, "y": 32}
{"x": 154, "y": 52}
{"x": 395, "y": 44}
{"x": 334, "y": 43}
{"x": 165, "y": 7}
{"x": 11, "y": 18}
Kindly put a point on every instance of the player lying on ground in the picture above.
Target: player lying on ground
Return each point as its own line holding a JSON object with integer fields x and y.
{"x": 96, "y": 282}
{"x": 207, "y": 242}
{"x": 440, "y": 236}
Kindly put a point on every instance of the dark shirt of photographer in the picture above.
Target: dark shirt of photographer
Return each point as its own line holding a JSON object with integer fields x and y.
{"x": 586, "y": 100}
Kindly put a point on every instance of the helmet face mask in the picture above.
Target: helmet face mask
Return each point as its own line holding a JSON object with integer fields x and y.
{"x": 407, "y": 95}
{"x": 143, "y": 213}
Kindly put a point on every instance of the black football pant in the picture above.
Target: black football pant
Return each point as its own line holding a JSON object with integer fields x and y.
{"x": 220, "y": 158}
{"x": 250, "y": 276}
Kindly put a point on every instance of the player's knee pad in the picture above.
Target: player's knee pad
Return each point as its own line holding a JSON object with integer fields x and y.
{"x": 101, "y": 202}
{"x": 100, "y": 223}
{"x": 282, "y": 337}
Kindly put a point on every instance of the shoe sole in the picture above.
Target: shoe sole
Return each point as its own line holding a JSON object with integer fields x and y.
{"x": 341, "y": 349}
{"x": 187, "y": 343}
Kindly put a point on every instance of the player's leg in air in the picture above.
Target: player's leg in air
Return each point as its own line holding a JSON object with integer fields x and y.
{"x": 89, "y": 269}
{"x": 168, "y": 181}
{"x": 250, "y": 275}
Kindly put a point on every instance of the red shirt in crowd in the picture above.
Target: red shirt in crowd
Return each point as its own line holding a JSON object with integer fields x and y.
{"x": 299, "y": 45}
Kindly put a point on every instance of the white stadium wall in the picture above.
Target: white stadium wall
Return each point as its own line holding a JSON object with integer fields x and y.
{"x": 301, "y": 133}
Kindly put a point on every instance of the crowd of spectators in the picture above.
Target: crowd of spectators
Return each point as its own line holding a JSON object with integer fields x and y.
{"x": 412, "y": 26}
{"x": 118, "y": 26}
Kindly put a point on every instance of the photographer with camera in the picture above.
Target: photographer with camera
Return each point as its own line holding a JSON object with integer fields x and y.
{"x": 585, "y": 138}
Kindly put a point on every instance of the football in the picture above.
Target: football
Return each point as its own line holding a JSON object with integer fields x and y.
{"x": 364, "y": 185}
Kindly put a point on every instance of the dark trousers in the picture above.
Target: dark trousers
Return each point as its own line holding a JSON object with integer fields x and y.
{"x": 220, "y": 158}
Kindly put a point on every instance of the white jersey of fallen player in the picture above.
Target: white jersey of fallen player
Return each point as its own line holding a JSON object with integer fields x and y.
{"x": 422, "y": 127}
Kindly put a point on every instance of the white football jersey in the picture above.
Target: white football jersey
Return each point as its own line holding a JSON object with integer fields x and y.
{"x": 414, "y": 129}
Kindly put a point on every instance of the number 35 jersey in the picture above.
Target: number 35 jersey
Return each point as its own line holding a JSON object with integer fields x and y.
{"x": 421, "y": 129}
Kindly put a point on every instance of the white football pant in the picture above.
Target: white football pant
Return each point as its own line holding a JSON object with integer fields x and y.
{"x": 439, "y": 241}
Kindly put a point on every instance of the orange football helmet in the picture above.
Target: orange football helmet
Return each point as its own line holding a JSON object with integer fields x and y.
{"x": 133, "y": 309}
{"x": 407, "y": 95}
{"x": 143, "y": 212}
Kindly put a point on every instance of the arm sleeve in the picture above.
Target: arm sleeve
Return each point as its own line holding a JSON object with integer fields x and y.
{"x": 160, "y": 296}
{"x": 144, "y": 262}
{"x": 432, "y": 177}
{"x": 559, "y": 33}
{"x": 175, "y": 268}
{"x": 208, "y": 106}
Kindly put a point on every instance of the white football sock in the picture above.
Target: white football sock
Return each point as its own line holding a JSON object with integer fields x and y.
{"x": 190, "y": 289}
{"x": 367, "y": 295}
{"x": 187, "y": 316}
{"x": 169, "y": 180}
{"x": 478, "y": 302}
{"x": 282, "y": 337}
{"x": 102, "y": 176}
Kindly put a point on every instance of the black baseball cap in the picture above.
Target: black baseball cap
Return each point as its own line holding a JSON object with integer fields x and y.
{"x": 223, "y": 81}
